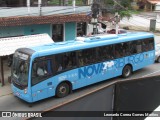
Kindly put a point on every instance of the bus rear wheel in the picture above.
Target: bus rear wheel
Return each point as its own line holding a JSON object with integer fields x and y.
{"x": 127, "y": 71}
{"x": 62, "y": 90}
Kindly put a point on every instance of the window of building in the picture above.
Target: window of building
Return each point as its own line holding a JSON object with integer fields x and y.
{"x": 81, "y": 29}
{"x": 57, "y": 32}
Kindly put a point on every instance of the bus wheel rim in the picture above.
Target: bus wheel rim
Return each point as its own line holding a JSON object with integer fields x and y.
{"x": 62, "y": 90}
{"x": 127, "y": 71}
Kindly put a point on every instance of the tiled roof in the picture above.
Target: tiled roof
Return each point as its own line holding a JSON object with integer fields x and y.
{"x": 54, "y": 19}
{"x": 50, "y": 15}
{"x": 53, "y": 15}
{"x": 9, "y": 45}
{"x": 153, "y": 1}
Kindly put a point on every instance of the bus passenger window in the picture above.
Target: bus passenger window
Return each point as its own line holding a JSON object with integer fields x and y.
{"x": 119, "y": 50}
{"x": 136, "y": 47}
{"x": 65, "y": 61}
{"x": 41, "y": 70}
{"x": 59, "y": 67}
{"x": 145, "y": 45}
{"x": 126, "y": 48}
{"x": 151, "y": 44}
{"x": 80, "y": 58}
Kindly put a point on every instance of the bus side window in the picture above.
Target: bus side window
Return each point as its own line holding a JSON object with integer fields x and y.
{"x": 136, "y": 47}
{"x": 80, "y": 58}
{"x": 34, "y": 69}
{"x": 126, "y": 47}
{"x": 151, "y": 43}
{"x": 119, "y": 50}
{"x": 71, "y": 61}
{"x": 65, "y": 61}
{"x": 59, "y": 64}
{"x": 41, "y": 70}
{"x": 145, "y": 45}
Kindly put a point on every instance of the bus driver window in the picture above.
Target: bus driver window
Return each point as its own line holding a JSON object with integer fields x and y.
{"x": 41, "y": 70}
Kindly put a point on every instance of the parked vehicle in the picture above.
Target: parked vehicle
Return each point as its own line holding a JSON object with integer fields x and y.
{"x": 157, "y": 54}
{"x": 113, "y": 31}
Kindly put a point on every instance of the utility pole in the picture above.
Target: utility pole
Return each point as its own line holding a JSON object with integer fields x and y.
{"x": 40, "y": 7}
{"x": 28, "y": 6}
{"x": 95, "y": 12}
{"x": 117, "y": 20}
{"x": 74, "y": 4}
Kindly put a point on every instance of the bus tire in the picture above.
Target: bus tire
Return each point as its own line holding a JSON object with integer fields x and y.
{"x": 62, "y": 90}
{"x": 127, "y": 71}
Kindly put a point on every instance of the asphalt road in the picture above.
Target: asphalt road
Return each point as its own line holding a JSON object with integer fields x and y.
{"x": 11, "y": 103}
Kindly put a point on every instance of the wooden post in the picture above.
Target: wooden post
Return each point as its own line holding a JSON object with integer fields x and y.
{"x": 2, "y": 71}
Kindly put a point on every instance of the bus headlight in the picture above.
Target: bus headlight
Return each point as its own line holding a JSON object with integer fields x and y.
{"x": 25, "y": 91}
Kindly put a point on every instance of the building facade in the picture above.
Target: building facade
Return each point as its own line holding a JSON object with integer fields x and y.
{"x": 148, "y": 5}
{"x": 20, "y": 3}
{"x": 60, "y": 26}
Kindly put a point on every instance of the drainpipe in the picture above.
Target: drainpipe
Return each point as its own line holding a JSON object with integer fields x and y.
{"x": 28, "y": 6}
{"x": 40, "y": 7}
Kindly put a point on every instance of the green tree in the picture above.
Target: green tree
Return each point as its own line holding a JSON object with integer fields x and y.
{"x": 123, "y": 7}
{"x": 126, "y": 3}
{"x": 109, "y": 2}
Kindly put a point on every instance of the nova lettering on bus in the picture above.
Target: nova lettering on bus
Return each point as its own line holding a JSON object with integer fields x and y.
{"x": 91, "y": 70}
{"x": 88, "y": 71}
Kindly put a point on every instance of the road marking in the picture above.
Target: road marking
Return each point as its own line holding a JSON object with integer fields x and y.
{"x": 151, "y": 73}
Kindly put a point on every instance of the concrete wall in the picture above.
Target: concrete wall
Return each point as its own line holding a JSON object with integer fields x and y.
{"x": 11, "y": 31}
{"x": 37, "y": 29}
{"x": 69, "y": 30}
{"x": 25, "y": 30}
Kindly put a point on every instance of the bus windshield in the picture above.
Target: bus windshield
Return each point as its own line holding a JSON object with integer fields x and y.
{"x": 20, "y": 70}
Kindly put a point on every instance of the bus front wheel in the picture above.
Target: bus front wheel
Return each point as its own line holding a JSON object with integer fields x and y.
{"x": 62, "y": 90}
{"x": 127, "y": 71}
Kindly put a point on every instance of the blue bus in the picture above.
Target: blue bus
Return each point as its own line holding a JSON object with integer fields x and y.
{"x": 58, "y": 68}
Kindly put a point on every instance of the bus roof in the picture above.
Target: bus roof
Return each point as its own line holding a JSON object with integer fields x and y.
{"x": 88, "y": 42}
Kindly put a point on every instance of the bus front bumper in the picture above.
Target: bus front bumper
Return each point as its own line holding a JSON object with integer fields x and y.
{"x": 20, "y": 94}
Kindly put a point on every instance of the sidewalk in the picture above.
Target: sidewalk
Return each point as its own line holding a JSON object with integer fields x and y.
{"x": 139, "y": 23}
{"x": 6, "y": 89}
